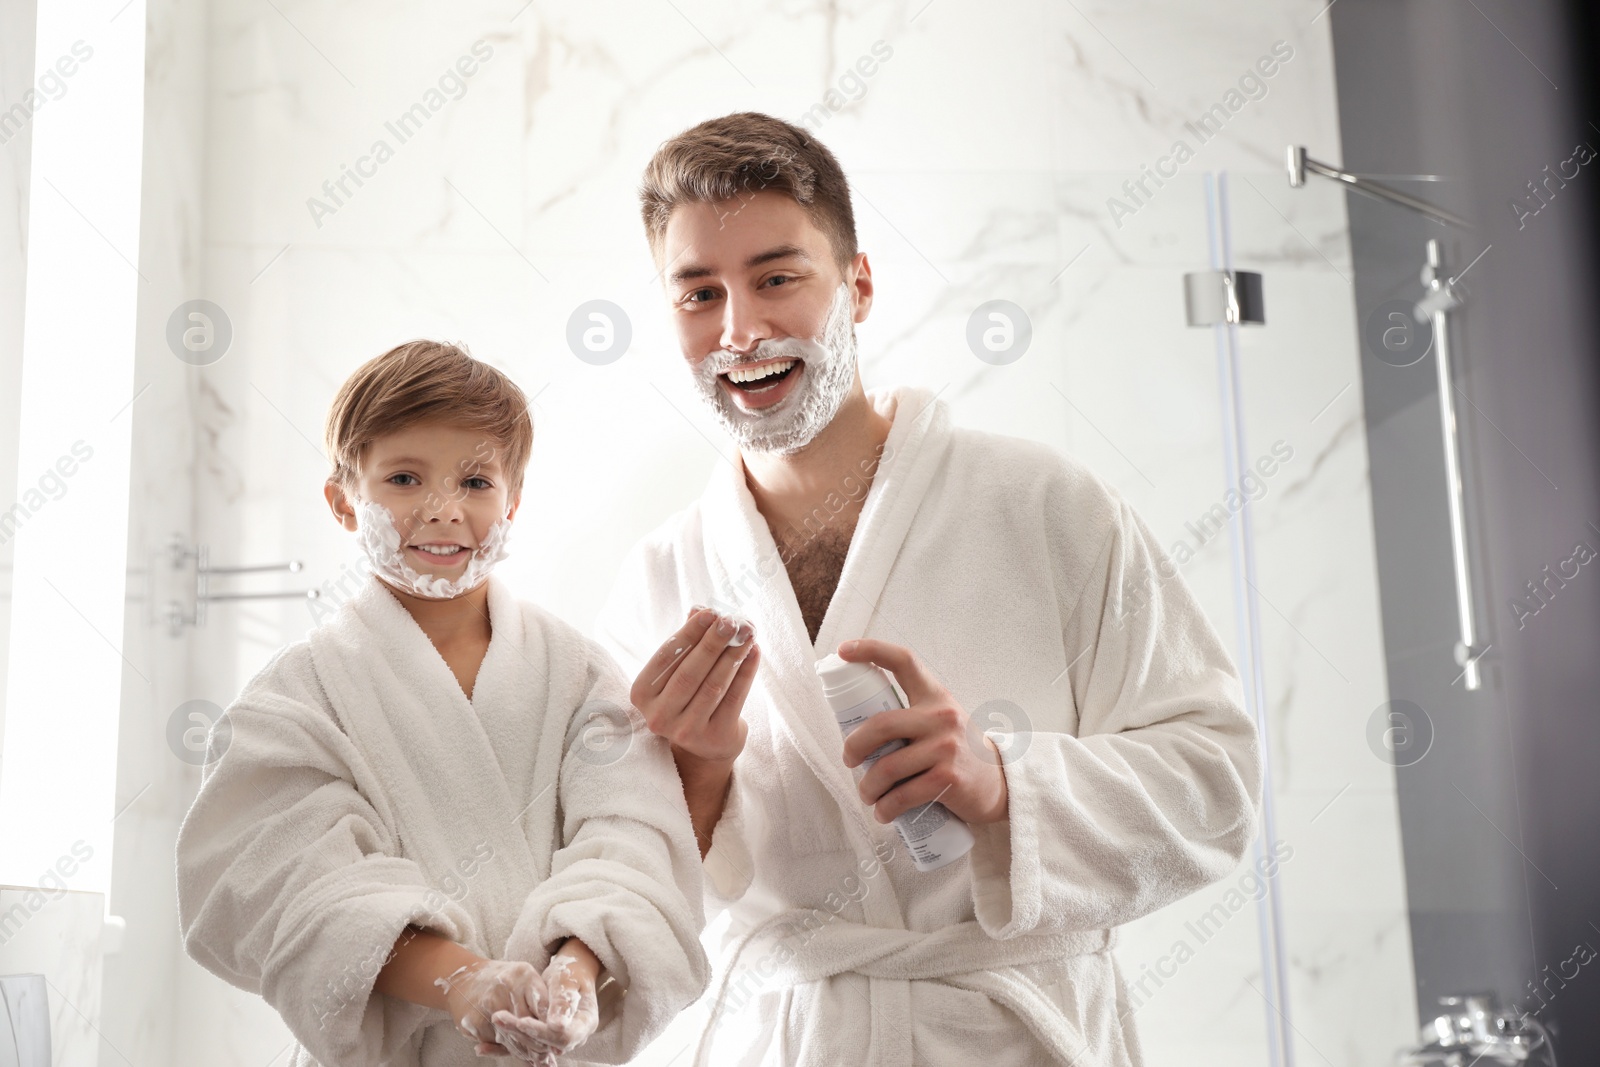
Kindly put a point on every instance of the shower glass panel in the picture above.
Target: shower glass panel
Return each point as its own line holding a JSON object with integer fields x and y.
{"x": 1467, "y": 875}
{"x": 1339, "y": 743}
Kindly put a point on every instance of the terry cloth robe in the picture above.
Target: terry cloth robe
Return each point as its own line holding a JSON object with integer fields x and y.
{"x": 1042, "y": 601}
{"x": 358, "y": 790}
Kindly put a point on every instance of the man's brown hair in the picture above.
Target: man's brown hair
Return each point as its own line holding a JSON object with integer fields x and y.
{"x": 739, "y": 155}
{"x": 428, "y": 381}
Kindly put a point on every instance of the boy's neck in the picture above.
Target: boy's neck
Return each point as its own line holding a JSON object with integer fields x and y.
{"x": 450, "y": 622}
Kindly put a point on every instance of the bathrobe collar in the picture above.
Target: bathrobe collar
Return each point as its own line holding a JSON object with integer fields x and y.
{"x": 748, "y": 574}
{"x": 380, "y": 610}
{"x": 397, "y": 698}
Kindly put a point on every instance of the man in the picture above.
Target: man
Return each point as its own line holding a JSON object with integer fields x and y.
{"x": 1068, "y": 699}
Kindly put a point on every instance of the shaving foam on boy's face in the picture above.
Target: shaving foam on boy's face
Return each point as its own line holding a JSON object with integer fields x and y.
{"x": 380, "y": 540}
{"x": 432, "y": 514}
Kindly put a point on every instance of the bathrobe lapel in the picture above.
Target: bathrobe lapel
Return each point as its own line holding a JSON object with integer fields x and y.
{"x": 425, "y": 739}
{"x": 911, "y": 457}
{"x": 748, "y": 573}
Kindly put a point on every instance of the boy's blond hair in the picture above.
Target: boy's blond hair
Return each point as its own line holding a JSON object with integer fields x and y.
{"x": 428, "y": 381}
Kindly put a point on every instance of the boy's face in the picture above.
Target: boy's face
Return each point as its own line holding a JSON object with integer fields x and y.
{"x": 744, "y": 276}
{"x": 444, "y": 485}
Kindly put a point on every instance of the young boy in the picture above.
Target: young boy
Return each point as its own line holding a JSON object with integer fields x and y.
{"x": 435, "y": 828}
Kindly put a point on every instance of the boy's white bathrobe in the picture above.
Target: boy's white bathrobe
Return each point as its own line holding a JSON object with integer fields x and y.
{"x": 359, "y": 790}
{"x": 1031, "y": 589}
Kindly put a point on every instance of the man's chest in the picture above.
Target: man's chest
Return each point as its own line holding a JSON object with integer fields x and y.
{"x": 814, "y": 568}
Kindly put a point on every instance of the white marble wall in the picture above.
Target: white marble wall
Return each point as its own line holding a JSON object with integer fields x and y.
{"x": 982, "y": 153}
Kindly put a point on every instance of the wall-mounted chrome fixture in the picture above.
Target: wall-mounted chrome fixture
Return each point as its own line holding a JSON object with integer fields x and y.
{"x": 1440, "y": 297}
{"x": 181, "y": 555}
{"x": 1473, "y": 1030}
{"x": 1301, "y": 164}
{"x": 1231, "y": 297}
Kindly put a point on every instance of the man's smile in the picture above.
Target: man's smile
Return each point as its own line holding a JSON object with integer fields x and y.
{"x": 758, "y": 386}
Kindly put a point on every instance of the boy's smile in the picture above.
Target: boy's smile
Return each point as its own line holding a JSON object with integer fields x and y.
{"x": 441, "y": 553}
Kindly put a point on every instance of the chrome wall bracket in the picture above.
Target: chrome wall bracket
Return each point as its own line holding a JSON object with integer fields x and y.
{"x": 1299, "y": 165}
{"x": 1223, "y": 296}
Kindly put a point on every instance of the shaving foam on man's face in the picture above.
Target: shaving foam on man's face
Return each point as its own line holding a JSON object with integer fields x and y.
{"x": 781, "y": 395}
{"x": 432, "y": 515}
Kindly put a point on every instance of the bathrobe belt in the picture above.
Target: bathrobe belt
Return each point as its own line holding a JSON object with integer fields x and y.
{"x": 807, "y": 945}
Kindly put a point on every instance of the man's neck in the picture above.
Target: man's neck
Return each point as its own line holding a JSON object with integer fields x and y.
{"x": 450, "y": 622}
{"x": 839, "y": 460}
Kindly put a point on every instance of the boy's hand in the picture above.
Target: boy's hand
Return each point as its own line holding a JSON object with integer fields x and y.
{"x": 574, "y": 1013}
{"x": 511, "y": 1035}
{"x": 476, "y": 991}
{"x": 693, "y": 689}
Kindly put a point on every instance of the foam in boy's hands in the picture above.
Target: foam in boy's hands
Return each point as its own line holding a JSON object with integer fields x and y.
{"x": 572, "y": 1019}
{"x": 485, "y": 988}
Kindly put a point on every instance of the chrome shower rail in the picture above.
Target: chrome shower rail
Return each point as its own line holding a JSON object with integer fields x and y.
{"x": 1435, "y": 307}
{"x": 1439, "y": 299}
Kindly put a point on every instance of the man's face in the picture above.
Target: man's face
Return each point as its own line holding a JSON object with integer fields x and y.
{"x": 763, "y": 316}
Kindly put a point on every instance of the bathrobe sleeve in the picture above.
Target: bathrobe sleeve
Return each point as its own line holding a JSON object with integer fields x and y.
{"x": 626, "y": 879}
{"x": 289, "y": 883}
{"x": 646, "y": 605}
{"x": 1157, "y": 791}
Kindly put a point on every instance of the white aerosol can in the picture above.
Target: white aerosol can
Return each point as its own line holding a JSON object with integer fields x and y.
{"x": 858, "y": 691}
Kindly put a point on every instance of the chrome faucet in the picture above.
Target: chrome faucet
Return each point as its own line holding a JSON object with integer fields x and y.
{"x": 1473, "y": 1030}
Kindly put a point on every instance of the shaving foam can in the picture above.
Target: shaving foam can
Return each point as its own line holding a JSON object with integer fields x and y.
{"x": 858, "y": 691}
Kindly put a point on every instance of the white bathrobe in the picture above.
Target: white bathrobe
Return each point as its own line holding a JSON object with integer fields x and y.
{"x": 359, "y": 790}
{"x": 1031, "y": 589}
